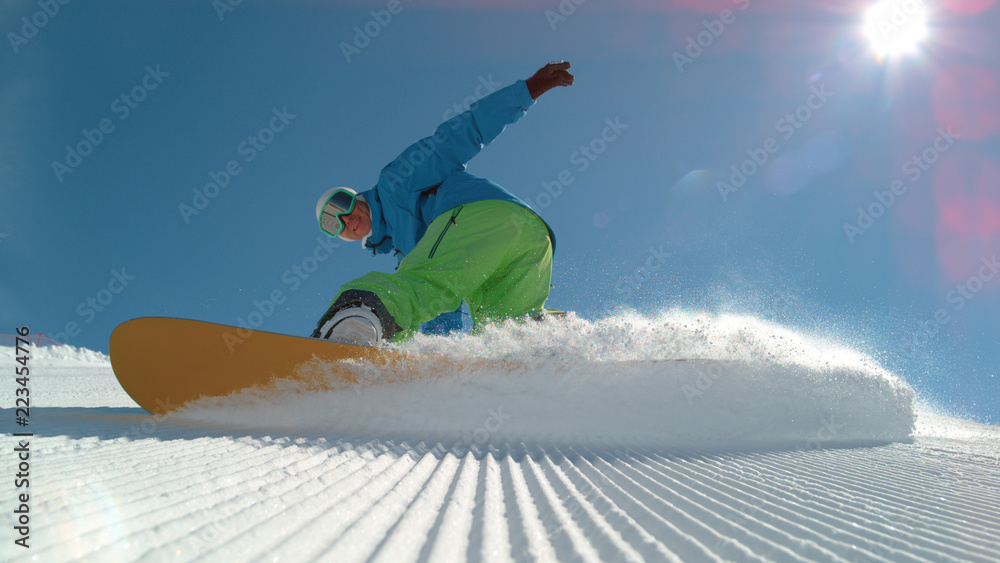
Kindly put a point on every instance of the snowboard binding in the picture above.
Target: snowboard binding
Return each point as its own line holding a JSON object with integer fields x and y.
{"x": 357, "y": 317}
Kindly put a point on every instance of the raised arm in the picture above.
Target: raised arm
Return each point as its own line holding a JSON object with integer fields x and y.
{"x": 429, "y": 161}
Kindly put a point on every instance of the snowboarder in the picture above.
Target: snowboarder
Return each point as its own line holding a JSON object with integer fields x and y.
{"x": 461, "y": 237}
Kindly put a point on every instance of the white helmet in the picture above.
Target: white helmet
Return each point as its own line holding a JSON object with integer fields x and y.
{"x": 329, "y": 209}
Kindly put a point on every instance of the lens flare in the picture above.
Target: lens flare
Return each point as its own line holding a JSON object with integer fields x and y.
{"x": 896, "y": 26}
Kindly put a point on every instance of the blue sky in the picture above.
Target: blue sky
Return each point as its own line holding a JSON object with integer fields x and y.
{"x": 641, "y": 159}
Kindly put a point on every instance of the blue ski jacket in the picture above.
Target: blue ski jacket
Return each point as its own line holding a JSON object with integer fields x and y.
{"x": 429, "y": 177}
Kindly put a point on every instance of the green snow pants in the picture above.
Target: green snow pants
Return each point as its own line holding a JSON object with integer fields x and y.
{"x": 495, "y": 255}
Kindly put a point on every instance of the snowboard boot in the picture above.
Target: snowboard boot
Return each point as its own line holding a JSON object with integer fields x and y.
{"x": 357, "y": 317}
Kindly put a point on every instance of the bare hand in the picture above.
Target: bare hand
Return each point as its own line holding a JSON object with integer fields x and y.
{"x": 548, "y": 77}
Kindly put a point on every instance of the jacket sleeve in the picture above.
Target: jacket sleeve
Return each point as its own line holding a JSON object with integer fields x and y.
{"x": 429, "y": 161}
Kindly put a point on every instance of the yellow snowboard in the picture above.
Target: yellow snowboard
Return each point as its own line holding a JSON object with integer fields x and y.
{"x": 163, "y": 363}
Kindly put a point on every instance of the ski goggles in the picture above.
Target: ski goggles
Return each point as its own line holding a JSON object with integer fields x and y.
{"x": 340, "y": 203}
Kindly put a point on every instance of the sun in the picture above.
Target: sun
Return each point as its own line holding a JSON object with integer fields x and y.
{"x": 896, "y": 27}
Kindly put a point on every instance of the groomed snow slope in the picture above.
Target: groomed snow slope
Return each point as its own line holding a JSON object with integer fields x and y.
{"x": 597, "y": 447}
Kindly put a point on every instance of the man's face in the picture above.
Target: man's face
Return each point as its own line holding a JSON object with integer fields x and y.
{"x": 358, "y": 223}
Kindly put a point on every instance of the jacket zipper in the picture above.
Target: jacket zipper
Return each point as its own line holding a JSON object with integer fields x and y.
{"x": 445, "y": 230}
